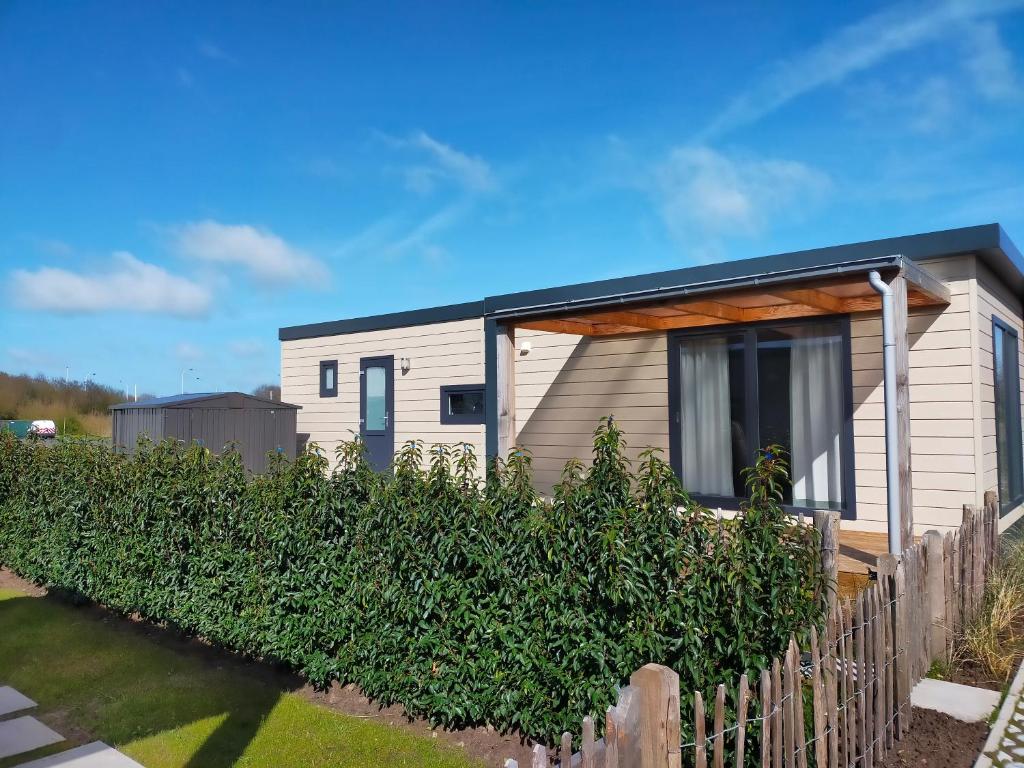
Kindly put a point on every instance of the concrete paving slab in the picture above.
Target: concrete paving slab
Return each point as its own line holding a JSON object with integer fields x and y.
{"x": 94, "y": 755}
{"x": 964, "y": 702}
{"x": 13, "y": 701}
{"x": 23, "y": 734}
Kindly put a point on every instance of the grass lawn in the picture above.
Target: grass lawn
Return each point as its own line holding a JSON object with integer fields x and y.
{"x": 170, "y": 709}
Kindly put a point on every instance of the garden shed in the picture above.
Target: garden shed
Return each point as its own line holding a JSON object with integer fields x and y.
{"x": 212, "y": 419}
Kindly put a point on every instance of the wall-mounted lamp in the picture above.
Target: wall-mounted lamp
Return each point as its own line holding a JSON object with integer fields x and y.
{"x": 405, "y": 363}
{"x": 524, "y": 348}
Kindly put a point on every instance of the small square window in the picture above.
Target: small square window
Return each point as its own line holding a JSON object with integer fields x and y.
{"x": 462, "y": 404}
{"x": 328, "y": 378}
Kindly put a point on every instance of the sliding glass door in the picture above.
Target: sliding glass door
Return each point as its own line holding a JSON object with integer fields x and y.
{"x": 737, "y": 390}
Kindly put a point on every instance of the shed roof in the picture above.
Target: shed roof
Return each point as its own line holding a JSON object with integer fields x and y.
{"x": 989, "y": 241}
{"x": 207, "y": 400}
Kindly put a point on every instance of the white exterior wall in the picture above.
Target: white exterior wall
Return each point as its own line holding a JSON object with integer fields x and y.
{"x": 440, "y": 353}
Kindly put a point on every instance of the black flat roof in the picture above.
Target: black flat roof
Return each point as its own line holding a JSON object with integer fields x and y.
{"x": 989, "y": 241}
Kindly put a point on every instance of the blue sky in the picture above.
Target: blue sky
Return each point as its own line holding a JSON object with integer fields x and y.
{"x": 178, "y": 180}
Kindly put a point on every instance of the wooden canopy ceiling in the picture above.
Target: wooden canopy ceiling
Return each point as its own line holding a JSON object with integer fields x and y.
{"x": 765, "y": 302}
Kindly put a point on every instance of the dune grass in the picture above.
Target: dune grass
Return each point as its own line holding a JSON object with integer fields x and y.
{"x": 995, "y": 639}
{"x": 167, "y": 708}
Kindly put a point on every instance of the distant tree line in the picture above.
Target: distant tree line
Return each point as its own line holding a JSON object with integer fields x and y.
{"x": 76, "y": 406}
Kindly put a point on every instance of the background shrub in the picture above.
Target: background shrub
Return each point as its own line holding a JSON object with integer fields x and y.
{"x": 466, "y": 604}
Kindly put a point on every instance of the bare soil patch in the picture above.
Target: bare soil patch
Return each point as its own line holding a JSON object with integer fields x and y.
{"x": 974, "y": 673}
{"x": 936, "y": 740}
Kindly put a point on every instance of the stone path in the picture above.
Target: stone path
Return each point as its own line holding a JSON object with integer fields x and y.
{"x": 95, "y": 755}
{"x": 964, "y": 702}
{"x": 23, "y": 734}
{"x": 13, "y": 701}
{"x": 19, "y": 735}
{"x": 1005, "y": 745}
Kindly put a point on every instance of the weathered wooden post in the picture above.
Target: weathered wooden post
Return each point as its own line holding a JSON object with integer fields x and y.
{"x": 939, "y": 640}
{"x": 827, "y": 524}
{"x": 658, "y": 689}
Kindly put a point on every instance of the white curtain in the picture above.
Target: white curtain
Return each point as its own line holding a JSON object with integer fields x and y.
{"x": 706, "y": 424}
{"x": 816, "y": 407}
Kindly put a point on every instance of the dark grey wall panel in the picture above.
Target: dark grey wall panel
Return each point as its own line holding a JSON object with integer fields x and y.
{"x": 256, "y": 426}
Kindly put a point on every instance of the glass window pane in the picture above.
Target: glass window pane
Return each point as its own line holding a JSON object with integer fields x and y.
{"x": 328, "y": 378}
{"x": 801, "y": 407}
{"x": 712, "y": 414}
{"x": 376, "y": 408}
{"x": 469, "y": 402}
{"x": 1009, "y": 457}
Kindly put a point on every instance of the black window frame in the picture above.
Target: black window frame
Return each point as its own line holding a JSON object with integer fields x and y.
{"x": 1005, "y": 505}
{"x": 326, "y": 365}
{"x": 751, "y": 416}
{"x": 462, "y": 418}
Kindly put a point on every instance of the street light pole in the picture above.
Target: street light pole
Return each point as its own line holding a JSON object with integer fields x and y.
{"x": 183, "y": 372}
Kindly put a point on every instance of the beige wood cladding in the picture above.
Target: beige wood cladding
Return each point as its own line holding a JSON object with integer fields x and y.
{"x": 566, "y": 383}
{"x": 992, "y": 298}
{"x": 441, "y": 353}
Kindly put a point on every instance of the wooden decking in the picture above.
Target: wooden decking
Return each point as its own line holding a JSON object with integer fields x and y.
{"x": 858, "y": 552}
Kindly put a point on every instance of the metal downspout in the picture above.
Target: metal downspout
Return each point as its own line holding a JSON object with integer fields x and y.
{"x": 892, "y": 469}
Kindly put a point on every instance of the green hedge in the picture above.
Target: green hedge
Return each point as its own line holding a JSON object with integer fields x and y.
{"x": 465, "y": 604}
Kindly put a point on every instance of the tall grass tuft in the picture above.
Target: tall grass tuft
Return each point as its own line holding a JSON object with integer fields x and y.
{"x": 995, "y": 639}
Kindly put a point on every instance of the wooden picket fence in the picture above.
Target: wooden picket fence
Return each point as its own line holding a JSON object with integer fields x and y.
{"x": 841, "y": 701}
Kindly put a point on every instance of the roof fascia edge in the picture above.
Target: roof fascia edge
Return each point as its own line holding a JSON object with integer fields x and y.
{"x": 696, "y": 289}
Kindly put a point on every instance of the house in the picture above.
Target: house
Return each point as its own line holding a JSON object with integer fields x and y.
{"x": 710, "y": 362}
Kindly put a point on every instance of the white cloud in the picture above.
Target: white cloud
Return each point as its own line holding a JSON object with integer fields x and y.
{"x": 130, "y": 285}
{"x": 265, "y": 255}
{"x": 188, "y": 352}
{"x": 990, "y": 63}
{"x": 471, "y": 172}
{"x": 703, "y": 194}
{"x": 852, "y": 49}
{"x": 391, "y": 238}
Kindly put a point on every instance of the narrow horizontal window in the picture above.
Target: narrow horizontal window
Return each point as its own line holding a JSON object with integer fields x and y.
{"x": 462, "y": 404}
{"x": 328, "y": 378}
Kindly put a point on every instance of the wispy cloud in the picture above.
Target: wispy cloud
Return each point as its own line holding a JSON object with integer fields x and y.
{"x": 266, "y": 256}
{"x": 705, "y": 196}
{"x": 853, "y": 49}
{"x": 188, "y": 352}
{"x": 990, "y": 63}
{"x": 392, "y": 238}
{"x": 215, "y": 52}
{"x": 246, "y": 348}
{"x": 443, "y": 163}
{"x": 129, "y": 284}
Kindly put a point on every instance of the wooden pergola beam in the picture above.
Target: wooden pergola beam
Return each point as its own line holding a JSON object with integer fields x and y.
{"x": 635, "y": 319}
{"x": 715, "y": 309}
{"x": 810, "y": 297}
{"x": 575, "y": 327}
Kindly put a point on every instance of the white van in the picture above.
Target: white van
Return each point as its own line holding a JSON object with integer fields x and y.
{"x": 43, "y": 428}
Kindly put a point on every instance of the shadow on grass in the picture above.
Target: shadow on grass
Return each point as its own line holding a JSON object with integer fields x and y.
{"x": 99, "y": 676}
